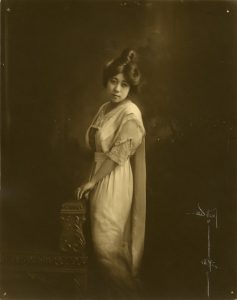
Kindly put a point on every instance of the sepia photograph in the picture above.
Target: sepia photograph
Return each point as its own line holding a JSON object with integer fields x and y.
{"x": 118, "y": 150}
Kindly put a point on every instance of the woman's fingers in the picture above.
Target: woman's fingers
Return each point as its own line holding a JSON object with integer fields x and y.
{"x": 87, "y": 194}
{"x": 81, "y": 193}
{"x": 78, "y": 193}
{"x": 84, "y": 190}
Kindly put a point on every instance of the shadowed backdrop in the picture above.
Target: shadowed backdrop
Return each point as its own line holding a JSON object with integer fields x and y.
{"x": 53, "y": 54}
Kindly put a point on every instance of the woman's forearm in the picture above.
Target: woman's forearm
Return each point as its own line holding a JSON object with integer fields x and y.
{"x": 106, "y": 168}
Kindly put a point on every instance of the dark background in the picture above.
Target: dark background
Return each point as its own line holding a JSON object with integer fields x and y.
{"x": 52, "y": 57}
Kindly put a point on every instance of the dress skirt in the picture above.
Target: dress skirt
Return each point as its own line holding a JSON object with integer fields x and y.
{"x": 110, "y": 209}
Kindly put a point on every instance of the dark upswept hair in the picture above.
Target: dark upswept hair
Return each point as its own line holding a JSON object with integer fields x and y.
{"x": 127, "y": 65}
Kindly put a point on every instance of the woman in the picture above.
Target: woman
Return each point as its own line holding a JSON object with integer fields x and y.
{"x": 116, "y": 187}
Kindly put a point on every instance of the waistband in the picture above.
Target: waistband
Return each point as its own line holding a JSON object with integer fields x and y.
{"x": 98, "y": 156}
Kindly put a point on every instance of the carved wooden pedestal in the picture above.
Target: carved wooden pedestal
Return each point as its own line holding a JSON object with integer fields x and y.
{"x": 72, "y": 237}
{"x": 50, "y": 275}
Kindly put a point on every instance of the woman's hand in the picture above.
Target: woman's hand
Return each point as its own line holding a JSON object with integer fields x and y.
{"x": 84, "y": 190}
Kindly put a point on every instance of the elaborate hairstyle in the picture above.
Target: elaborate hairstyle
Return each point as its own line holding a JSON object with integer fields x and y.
{"x": 126, "y": 64}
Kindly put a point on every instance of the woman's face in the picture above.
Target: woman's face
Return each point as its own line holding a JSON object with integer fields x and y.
{"x": 117, "y": 88}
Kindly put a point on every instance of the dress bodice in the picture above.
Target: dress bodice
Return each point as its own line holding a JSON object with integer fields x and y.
{"x": 108, "y": 129}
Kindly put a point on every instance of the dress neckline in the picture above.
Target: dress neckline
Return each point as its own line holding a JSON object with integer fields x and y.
{"x": 105, "y": 114}
{"x": 103, "y": 117}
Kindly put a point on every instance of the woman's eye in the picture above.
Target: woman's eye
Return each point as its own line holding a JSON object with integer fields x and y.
{"x": 124, "y": 84}
{"x": 113, "y": 81}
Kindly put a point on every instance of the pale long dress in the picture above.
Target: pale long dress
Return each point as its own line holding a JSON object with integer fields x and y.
{"x": 117, "y": 203}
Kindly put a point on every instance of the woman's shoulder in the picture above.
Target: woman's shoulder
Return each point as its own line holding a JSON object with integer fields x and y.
{"x": 103, "y": 105}
{"x": 133, "y": 113}
{"x": 132, "y": 108}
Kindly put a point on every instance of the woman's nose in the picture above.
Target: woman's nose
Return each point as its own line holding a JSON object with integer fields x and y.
{"x": 117, "y": 87}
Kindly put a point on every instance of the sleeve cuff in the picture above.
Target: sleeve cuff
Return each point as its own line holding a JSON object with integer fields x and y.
{"x": 115, "y": 158}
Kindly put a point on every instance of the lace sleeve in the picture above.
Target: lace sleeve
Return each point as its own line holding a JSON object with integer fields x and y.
{"x": 127, "y": 143}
